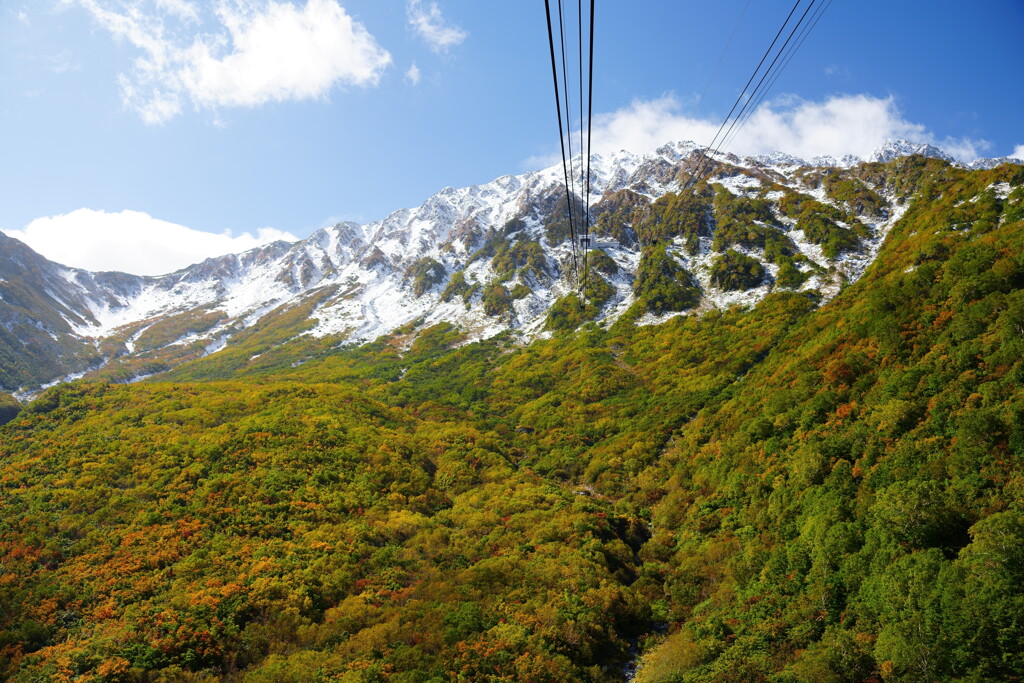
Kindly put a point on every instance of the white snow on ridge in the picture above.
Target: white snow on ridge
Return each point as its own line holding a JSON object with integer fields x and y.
{"x": 890, "y": 150}
{"x": 362, "y": 271}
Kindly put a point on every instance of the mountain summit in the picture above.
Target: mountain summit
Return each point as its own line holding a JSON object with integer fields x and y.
{"x": 490, "y": 258}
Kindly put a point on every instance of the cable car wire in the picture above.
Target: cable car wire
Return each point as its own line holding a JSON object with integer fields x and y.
{"x": 758, "y": 88}
{"x": 584, "y": 239}
{"x": 561, "y": 139}
{"x": 695, "y": 177}
{"x": 571, "y": 188}
{"x": 590, "y": 119}
{"x": 577, "y": 185}
{"x": 808, "y": 27}
{"x": 804, "y": 26}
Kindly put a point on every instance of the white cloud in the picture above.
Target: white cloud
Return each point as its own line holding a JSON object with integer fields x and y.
{"x": 429, "y": 23}
{"x": 132, "y": 241}
{"x": 261, "y": 51}
{"x": 843, "y": 124}
{"x": 1018, "y": 152}
{"x": 181, "y": 8}
{"x": 413, "y": 75}
{"x": 644, "y": 126}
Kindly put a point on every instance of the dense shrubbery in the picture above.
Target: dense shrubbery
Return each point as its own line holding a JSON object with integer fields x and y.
{"x": 662, "y": 284}
{"x": 525, "y": 256}
{"x": 293, "y": 529}
{"x": 602, "y": 262}
{"x": 496, "y": 299}
{"x": 789, "y": 276}
{"x": 820, "y": 223}
{"x": 457, "y": 286}
{"x": 858, "y": 198}
{"x": 685, "y": 214}
{"x": 736, "y": 272}
{"x": 788, "y": 493}
{"x": 819, "y": 228}
{"x": 597, "y": 290}
{"x": 749, "y": 222}
{"x": 568, "y": 313}
{"x": 425, "y": 273}
{"x": 9, "y": 408}
{"x": 520, "y": 291}
{"x": 886, "y": 465}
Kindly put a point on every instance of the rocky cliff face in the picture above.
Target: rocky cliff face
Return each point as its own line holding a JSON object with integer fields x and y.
{"x": 489, "y": 258}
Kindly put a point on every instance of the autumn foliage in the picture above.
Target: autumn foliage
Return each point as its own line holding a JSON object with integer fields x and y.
{"x": 790, "y": 493}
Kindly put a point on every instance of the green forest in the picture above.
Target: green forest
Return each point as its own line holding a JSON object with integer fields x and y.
{"x": 791, "y": 492}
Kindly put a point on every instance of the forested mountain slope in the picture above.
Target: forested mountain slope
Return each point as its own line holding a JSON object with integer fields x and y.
{"x": 788, "y": 492}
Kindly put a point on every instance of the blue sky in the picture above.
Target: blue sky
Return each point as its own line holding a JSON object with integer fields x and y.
{"x": 143, "y": 135}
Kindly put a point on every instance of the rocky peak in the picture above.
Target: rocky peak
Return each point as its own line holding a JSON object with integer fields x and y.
{"x": 894, "y": 149}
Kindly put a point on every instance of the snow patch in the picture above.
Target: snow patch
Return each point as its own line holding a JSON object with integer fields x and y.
{"x": 1001, "y": 190}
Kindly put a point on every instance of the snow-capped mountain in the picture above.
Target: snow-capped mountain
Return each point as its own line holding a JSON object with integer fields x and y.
{"x": 985, "y": 164}
{"x": 894, "y": 149}
{"x": 890, "y": 150}
{"x": 485, "y": 258}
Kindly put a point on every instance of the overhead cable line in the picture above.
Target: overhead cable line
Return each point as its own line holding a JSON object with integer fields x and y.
{"x": 759, "y": 87}
{"x": 584, "y": 237}
{"x": 808, "y": 27}
{"x": 569, "y": 190}
{"x": 577, "y": 185}
{"x": 590, "y": 118}
{"x": 804, "y": 26}
{"x": 561, "y": 139}
{"x": 694, "y": 178}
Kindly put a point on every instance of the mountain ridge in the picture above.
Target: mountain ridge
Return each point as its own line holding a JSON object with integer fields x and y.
{"x": 367, "y": 280}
